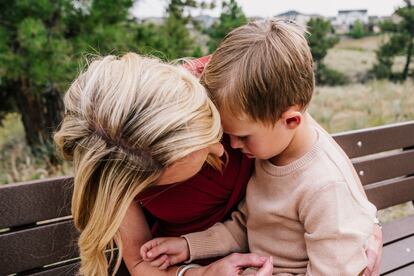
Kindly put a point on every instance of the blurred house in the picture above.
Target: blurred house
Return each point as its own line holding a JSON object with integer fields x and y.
{"x": 299, "y": 18}
{"x": 373, "y": 23}
{"x": 151, "y": 20}
{"x": 346, "y": 19}
{"x": 395, "y": 18}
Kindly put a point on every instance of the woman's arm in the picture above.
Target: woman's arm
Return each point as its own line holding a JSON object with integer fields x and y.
{"x": 135, "y": 232}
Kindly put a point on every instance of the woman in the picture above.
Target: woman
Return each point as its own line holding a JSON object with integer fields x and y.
{"x": 133, "y": 127}
{"x": 129, "y": 124}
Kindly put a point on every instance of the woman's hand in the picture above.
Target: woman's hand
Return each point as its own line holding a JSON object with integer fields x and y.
{"x": 265, "y": 270}
{"x": 374, "y": 253}
{"x": 235, "y": 264}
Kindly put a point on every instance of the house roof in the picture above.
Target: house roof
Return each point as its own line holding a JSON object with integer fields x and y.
{"x": 290, "y": 13}
{"x": 349, "y": 11}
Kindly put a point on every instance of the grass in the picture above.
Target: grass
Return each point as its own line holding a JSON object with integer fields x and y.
{"x": 16, "y": 161}
{"x": 356, "y": 105}
{"x": 355, "y": 57}
{"x": 359, "y": 105}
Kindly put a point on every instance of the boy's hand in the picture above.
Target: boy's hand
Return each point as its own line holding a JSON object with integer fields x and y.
{"x": 164, "y": 252}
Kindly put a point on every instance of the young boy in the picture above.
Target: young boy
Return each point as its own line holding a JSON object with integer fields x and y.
{"x": 303, "y": 206}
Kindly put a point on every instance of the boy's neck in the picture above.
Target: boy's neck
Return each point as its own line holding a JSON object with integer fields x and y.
{"x": 301, "y": 143}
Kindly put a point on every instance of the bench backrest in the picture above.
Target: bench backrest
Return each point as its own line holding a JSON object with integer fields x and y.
{"x": 38, "y": 236}
{"x": 384, "y": 160}
{"x": 39, "y": 227}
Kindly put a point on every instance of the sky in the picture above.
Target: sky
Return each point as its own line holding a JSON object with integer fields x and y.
{"x": 268, "y": 8}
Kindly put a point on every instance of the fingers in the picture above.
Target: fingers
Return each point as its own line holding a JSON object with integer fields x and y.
{"x": 371, "y": 259}
{"x": 246, "y": 260}
{"x": 149, "y": 249}
{"x": 266, "y": 269}
{"x": 161, "y": 260}
{"x": 144, "y": 249}
{"x": 374, "y": 253}
{"x": 166, "y": 264}
{"x": 157, "y": 251}
{"x": 373, "y": 262}
{"x": 377, "y": 266}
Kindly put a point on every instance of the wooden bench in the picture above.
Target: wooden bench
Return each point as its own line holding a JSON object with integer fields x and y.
{"x": 38, "y": 238}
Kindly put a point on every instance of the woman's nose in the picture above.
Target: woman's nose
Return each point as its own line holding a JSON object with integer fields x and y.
{"x": 235, "y": 142}
{"x": 217, "y": 149}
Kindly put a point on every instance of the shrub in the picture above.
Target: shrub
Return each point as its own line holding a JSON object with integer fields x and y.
{"x": 357, "y": 30}
{"x": 328, "y": 76}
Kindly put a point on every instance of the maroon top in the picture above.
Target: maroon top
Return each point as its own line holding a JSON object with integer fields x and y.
{"x": 198, "y": 203}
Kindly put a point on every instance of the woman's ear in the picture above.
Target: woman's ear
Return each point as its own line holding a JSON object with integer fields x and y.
{"x": 292, "y": 117}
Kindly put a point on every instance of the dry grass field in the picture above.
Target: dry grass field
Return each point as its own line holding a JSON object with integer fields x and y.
{"x": 359, "y": 105}
{"x": 337, "y": 108}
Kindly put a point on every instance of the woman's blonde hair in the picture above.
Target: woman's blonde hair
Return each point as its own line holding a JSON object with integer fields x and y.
{"x": 126, "y": 120}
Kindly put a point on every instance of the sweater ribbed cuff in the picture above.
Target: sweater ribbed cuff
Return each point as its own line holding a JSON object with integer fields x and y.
{"x": 200, "y": 247}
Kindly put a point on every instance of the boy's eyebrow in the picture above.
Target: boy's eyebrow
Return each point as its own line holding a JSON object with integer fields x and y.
{"x": 238, "y": 135}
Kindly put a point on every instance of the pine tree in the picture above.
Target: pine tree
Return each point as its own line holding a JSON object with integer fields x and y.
{"x": 41, "y": 44}
{"x": 320, "y": 40}
{"x": 172, "y": 39}
{"x": 401, "y": 41}
{"x": 231, "y": 17}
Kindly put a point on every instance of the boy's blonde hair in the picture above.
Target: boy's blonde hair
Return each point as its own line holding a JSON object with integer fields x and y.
{"x": 126, "y": 120}
{"x": 260, "y": 70}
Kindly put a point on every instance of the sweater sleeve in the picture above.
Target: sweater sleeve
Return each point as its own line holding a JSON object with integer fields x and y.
{"x": 337, "y": 227}
{"x": 220, "y": 239}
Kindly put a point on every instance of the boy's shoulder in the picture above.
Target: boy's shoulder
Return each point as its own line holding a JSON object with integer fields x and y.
{"x": 330, "y": 166}
{"x": 332, "y": 155}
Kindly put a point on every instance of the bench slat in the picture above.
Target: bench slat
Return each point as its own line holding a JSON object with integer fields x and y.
{"x": 25, "y": 203}
{"x": 64, "y": 270}
{"x": 378, "y": 139}
{"x": 385, "y": 167}
{"x": 71, "y": 269}
{"x": 34, "y": 247}
{"x": 398, "y": 229}
{"x": 391, "y": 192}
{"x": 405, "y": 271}
{"x": 397, "y": 254}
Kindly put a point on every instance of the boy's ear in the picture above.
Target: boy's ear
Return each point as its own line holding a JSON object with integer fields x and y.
{"x": 292, "y": 117}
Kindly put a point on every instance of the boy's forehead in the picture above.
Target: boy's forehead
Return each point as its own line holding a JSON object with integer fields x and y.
{"x": 233, "y": 124}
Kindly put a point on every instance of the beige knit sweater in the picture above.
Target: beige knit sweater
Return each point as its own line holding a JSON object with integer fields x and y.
{"x": 308, "y": 215}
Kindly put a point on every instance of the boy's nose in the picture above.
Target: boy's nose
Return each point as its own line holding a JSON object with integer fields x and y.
{"x": 235, "y": 142}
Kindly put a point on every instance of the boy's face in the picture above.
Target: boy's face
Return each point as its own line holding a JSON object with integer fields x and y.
{"x": 256, "y": 139}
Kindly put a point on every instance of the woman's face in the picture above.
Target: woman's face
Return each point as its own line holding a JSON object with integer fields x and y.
{"x": 189, "y": 165}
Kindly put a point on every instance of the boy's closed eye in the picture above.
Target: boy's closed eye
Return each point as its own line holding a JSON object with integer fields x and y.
{"x": 242, "y": 138}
